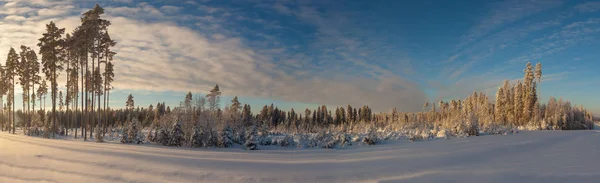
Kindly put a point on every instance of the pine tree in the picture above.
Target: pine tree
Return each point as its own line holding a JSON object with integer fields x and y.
{"x": 108, "y": 74}
{"x": 247, "y": 115}
{"x": 50, "y": 49}
{"x": 24, "y": 72}
{"x": 234, "y": 110}
{"x": 214, "y": 98}
{"x": 130, "y": 103}
{"x": 12, "y": 68}
{"x": 108, "y": 79}
{"x": 349, "y": 113}
{"x": 4, "y": 82}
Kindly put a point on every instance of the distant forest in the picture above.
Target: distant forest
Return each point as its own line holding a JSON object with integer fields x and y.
{"x": 83, "y": 111}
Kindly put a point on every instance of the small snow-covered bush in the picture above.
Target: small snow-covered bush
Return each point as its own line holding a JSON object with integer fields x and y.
{"x": 288, "y": 140}
{"x": 325, "y": 140}
{"x": 371, "y": 138}
{"x": 344, "y": 139}
{"x": 98, "y": 133}
{"x": 303, "y": 141}
{"x": 443, "y": 134}
{"x": 265, "y": 140}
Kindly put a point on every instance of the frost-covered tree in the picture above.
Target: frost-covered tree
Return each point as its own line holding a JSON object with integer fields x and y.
{"x": 538, "y": 72}
{"x": 500, "y": 106}
{"x": 518, "y": 104}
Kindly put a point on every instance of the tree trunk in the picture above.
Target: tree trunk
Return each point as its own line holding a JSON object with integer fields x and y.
{"x": 105, "y": 93}
{"x": 13, "y": 105}
{"x": 67, "y": 98}
{"x": 53, "y": 85}
{"x": 93, "y": 85}
{"x": 24, "y": 112}
{"x": 85, "y": 98}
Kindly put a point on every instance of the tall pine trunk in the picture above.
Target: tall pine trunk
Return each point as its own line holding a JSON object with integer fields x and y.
{"x": 92, "y": 93}
{"x": 105, "y": 122}
{"x": 68, "y": 95}
{"x": 13, "y": 105}
{"x": 32, "y": 112}
{"x": 54, "y": 117}
{"x": 84, "y": 106}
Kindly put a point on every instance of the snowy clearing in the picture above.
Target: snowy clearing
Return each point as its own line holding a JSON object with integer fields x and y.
{"x": 544, "y": 156}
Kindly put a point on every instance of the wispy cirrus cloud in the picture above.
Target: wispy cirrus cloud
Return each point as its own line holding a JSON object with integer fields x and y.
{"x": 506, "y": 12}
{"x": 159, "y": 50}
{"x": 491, "y": 33}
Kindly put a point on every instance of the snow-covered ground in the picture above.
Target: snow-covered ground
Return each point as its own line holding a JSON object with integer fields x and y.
{"x": 547, "y": 156}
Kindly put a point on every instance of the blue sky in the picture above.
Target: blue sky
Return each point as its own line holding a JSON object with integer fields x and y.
{"x": 302, "y": 53}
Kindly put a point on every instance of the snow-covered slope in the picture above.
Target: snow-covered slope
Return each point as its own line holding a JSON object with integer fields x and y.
{"x": 548, "y": 156}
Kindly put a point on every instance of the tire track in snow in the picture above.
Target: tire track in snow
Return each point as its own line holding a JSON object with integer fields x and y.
{"x": 4, "y": 177}
{"x": 70, "y": 173}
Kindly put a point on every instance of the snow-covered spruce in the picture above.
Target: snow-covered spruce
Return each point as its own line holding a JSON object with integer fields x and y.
{"x": 162, "y": 137}
{"x": 240, "y": 136}
{"x": 124, "y": 133}
{"x": 197, "y": 137}
{"x": 132, "y": 133}
{"x": 251, "y": 139}
{"x": 176, "y": 134}
{"x": 226, "y": 138}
